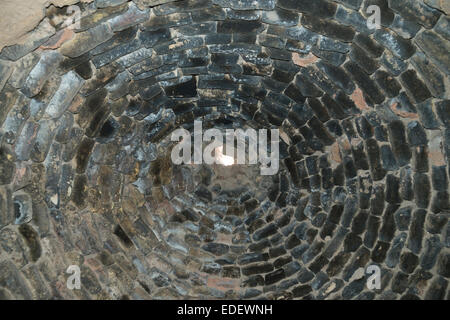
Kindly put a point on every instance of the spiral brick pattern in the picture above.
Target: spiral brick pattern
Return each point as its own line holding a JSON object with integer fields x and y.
{"x": 86, "y": 179}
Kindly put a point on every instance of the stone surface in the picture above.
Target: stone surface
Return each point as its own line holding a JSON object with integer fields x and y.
{"x": 416, "y": 11}
{"x": 23, "y": 209}
{"x": 40, "y": 73}
{"x": 14, "y": 281}
{"x": 442, "y": 27}
{"x": 86, "y": 40}
{"x": 246, "y": 4}
{"x": 130, "y": 18}
{"x": 435, "y": 47}
{"x": 439, "y": 4}
{"x": 27, "y": 42}
{"x": 107, "y": 3}
{"x": 400, "y": 47}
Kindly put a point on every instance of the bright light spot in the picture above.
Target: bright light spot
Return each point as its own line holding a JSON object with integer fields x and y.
{"x": 222, "y": 158}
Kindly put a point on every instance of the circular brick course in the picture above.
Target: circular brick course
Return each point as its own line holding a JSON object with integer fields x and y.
{"x": 86, "y": 177}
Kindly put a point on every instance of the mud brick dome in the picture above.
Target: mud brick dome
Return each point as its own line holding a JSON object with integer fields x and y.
{"x": 86, "y": 178}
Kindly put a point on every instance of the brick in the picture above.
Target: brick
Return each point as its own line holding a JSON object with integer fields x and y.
{"x": 416, "y": 11}
{"x": 13, "y": 279}
{"x": 400, "y": 47}
{"x": 436, "y": 49}
{"x": 366, "y": 84}
{"x": 86, "y": 41}
{"x": 246, "y": 4}
{"x": 328, "y": 28}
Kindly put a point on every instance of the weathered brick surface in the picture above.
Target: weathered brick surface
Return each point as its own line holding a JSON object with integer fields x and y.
{"x": 86, "y": 177}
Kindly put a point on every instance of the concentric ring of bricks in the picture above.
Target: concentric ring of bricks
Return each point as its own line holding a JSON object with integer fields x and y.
{"x": 85, "y": 179}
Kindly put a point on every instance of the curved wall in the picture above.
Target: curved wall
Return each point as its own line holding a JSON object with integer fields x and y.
{"x": 86, "y": 113}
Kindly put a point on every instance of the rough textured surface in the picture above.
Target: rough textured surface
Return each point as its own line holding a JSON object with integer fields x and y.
{"x": 29, "y": 13}
{"x": 85, "y": 172}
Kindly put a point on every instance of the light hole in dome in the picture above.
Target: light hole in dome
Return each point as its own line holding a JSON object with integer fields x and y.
{"x": 223, "y": 159}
